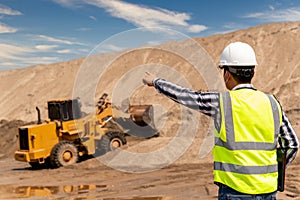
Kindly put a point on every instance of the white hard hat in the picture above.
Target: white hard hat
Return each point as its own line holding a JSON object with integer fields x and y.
{"x": 238, "y": 54}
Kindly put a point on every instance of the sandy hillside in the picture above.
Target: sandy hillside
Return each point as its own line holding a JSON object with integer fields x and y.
{"x": 190, "y": 176}
{"x": 276, "y": 46}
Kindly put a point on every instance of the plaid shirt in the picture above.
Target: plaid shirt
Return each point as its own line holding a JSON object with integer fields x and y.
{"x": 209, "y": 104}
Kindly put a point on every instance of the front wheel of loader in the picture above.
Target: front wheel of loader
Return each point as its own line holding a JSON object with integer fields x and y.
{"x": 63, "y": 153}
{"x": 111, "y": 141}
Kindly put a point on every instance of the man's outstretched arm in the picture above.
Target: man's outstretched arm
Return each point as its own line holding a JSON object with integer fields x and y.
{"x": 205, "y": 102}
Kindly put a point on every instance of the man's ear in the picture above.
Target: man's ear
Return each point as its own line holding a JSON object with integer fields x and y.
{"x": 226, "y": 74}
{"x": 229, "y": 75}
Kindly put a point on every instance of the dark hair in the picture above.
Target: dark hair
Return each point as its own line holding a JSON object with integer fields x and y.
{"x": 242, "y": 74}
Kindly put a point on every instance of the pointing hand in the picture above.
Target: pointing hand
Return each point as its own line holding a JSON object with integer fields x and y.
{"x": 148, "y": 79}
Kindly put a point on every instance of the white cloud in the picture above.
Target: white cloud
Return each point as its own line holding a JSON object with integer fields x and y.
{"x": 57, "y": 40}
{"x": 4, "y": 10}
{"x": 83, "y": 29}
{"x": 233, "y": 26}
{"x": 85, "y": 51}
{"x": 154, "y": 43}
{"x": 9, "y": 51}
{"x": 93, "y": 18}
{"x": 7, "y": 29}
{"x": 289, "y": 14}
{"x": 196, "y": 28}
{"x": 45, "y": 47}
{"x": 27, "y": 61}
{"x": 112, "y": 47}
{"x": 142, "y": 16}
{"x": 44, "y": 50}
{"x": 108, "y": 48}
{"x": 64, "y": 51}
{"x": 229, "y": 27}
{"x": 69, "y": 3}
{"x": 38, "y": 60}
{"x": 15, "y": 56}
{"x": 8, "y": 65}
{"x": 271, "y": 7}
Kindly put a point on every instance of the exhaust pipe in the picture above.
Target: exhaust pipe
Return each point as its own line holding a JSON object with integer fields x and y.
{"x": 39, "y": 115}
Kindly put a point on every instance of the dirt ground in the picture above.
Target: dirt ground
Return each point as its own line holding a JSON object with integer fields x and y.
{"x": 81, "y": 181}
{"x": 190, "y": 181}
{"x": 188, "y": 178}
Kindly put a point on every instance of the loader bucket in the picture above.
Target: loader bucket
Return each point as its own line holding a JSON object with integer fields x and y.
{"x": 139, "y": 121}
{"x": 141, "y": 115}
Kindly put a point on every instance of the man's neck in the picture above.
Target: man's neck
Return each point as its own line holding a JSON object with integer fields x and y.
{"x": 243, "y": 85}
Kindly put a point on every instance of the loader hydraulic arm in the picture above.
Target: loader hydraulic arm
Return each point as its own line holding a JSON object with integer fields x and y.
{"x": 104, "y": 111}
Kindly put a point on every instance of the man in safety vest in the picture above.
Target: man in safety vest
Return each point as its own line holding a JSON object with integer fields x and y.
{"x": 248, "y": 126}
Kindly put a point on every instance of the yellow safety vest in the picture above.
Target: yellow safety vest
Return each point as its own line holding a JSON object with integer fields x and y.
{"x": 245, "y": 146}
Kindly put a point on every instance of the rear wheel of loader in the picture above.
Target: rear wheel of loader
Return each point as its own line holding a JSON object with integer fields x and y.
{"x": 111, "y": 141}
{"x": 63, "y": 153}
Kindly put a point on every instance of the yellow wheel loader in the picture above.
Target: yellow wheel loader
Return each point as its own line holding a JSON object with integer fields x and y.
{"x": 67, "y": 135}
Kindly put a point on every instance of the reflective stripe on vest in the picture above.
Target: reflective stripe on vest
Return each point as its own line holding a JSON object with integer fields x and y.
{"x": 245, "y": 170}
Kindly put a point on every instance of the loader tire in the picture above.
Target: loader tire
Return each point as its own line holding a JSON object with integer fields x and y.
{"x": 111, "y": 141}
{"x": 63, "y": 153}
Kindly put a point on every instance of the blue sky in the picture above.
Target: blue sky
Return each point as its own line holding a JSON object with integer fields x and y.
{"x": 48, "y": 31}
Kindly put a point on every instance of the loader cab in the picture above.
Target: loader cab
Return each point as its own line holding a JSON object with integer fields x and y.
{"x": 64, "y": 110}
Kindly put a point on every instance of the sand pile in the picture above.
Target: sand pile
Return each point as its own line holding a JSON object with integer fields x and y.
{"x": 8, "y": 133}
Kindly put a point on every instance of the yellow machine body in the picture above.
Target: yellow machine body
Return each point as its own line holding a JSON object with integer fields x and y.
{"x": 36, "y": 142}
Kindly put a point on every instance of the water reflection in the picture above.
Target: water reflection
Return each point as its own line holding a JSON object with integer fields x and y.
{"x": 75, "y": 192}
{"x": 44, "y": 191}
